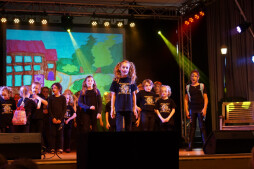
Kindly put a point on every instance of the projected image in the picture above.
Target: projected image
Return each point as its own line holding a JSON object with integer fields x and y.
{"x": 49, "y": 56}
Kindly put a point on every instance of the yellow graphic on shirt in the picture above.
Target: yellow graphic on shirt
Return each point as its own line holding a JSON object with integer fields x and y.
{"x": 124, "y": 88}
{"x": 7, "y": 108}
{"x": 165, "y": 107}
{"x": 149, "y": 100}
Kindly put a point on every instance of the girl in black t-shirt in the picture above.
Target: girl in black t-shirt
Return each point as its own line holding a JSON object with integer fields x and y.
{"x": 7, "y": 107}
{"x": 123, "y": 98}
{"x": 165, "y": 109}
{"x": 195, "y": 103}
{"x": 68, "y": 122}
{"x": 90, "y": 103}
{"x": 56, "y": 110}
{"x": 146, "y": 103}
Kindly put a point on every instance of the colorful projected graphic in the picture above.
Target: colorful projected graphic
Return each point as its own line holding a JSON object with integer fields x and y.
{"x": 49, "y": 56}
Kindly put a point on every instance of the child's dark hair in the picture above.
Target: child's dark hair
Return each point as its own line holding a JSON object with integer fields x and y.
{"x": 58, "y": 85}
{"x": 194, "y": 71}
{"x": 84, "y": 86}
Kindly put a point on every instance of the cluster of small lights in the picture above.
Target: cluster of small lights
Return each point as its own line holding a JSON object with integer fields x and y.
{"x": 31, "y": 21}
{"x": 16, "y": 20}
{"x": 106, "y": 23}
{"x": 94, "y": 23}
{"x": 120, "y": 24}
{"x": 132, "y": 25}
{"x": 3, "y": 20}
{"x": 44, "y": 21}
{"x": 196, "y": 17}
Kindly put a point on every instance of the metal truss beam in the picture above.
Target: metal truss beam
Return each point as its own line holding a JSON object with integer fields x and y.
{"x": 89, "y": 9}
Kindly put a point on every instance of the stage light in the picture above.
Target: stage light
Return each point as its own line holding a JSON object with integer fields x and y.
{"x": 187, "y": 23}
{"x": 132, "y": 25}
{"x": 3, "y": 20}
{"x": 106, "y": 23}
{"x": 224, "y": 49}
{"x": 94, "y": 23}
{"x": 243, "y": 27}
{"x": 201, "y": 13}
{"x": 44, "y": 21}
{"x": 31, "y": 21}
{"x": 159, "y": 32}
{"x": 67, "y": 22}
{"x": 16, "y": 20}
{"x": 191, "y": 20}
{"x": 119, "y": 24}
{"x": 196, "y": 16}
{"x": 68, "y": 30}
{"x": 252, "y": 59}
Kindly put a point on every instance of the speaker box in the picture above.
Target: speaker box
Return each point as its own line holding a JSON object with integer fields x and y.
{"x": 127, "y": 150}
{"x": 20, "y": 145}
{"x": 229, "y": 142}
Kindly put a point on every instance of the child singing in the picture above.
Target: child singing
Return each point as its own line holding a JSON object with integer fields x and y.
{"x": 123, "y": 95}
{"x": 196, "y": 102}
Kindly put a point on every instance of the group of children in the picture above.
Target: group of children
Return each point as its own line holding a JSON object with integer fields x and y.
{"x": 149, "y": 107}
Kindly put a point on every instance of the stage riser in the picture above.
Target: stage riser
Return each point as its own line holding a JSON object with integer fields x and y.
{"x": 215, "y": 164}
{"x": 183, "y": 164}
{"x": 58, "y": 166}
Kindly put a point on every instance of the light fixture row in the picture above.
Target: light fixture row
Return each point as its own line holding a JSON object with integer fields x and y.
{"x": 119, "y": 24}
{"x": 17, "y": 20}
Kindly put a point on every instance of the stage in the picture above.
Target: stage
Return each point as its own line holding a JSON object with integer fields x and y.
{"x": 195, "y": 159}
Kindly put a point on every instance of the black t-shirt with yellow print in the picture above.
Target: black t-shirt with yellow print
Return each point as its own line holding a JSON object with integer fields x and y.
{"x": 123, "y": 91}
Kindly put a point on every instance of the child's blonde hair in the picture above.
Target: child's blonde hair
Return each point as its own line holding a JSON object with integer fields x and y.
{"x": 168, "y": 89}
{"x": 24, "y": 90}
{"x": 7, "y": 89}
{"x": 71, "y": 101}
{"x": 36, "y": 83}
{"x": 147, "y": 81}
{"x": 132, "y": 71}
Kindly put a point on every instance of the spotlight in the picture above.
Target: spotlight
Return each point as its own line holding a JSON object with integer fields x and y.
{"x": 3, "y": 20}
{"x": 120, "y": 24}
{"x": 67, "y": 22}
{"x": 44, "y": 21}
{"x": 187, "y": 23}
{"x": 31, "y": 21}
{"x": 132, "y": 25}
{"x": 191, "y": 20}
{"x": 106, "y": 23}
{"x": 196, "y": 16}
{"x": 201, "y": 13}
{"x": 68, "y": 30}
{"x": 252, "y": 59}
{"x": 159, "y": 32}
{"x": 243, "y": 27}
{"x": 16, "y": 20}
{"x": 94, "y": 23}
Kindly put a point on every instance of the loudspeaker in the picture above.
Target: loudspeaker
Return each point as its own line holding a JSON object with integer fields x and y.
{"x": 229, "y": 142}
{"x": 20, "y": 145}
{"x": 128, "y": 150}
